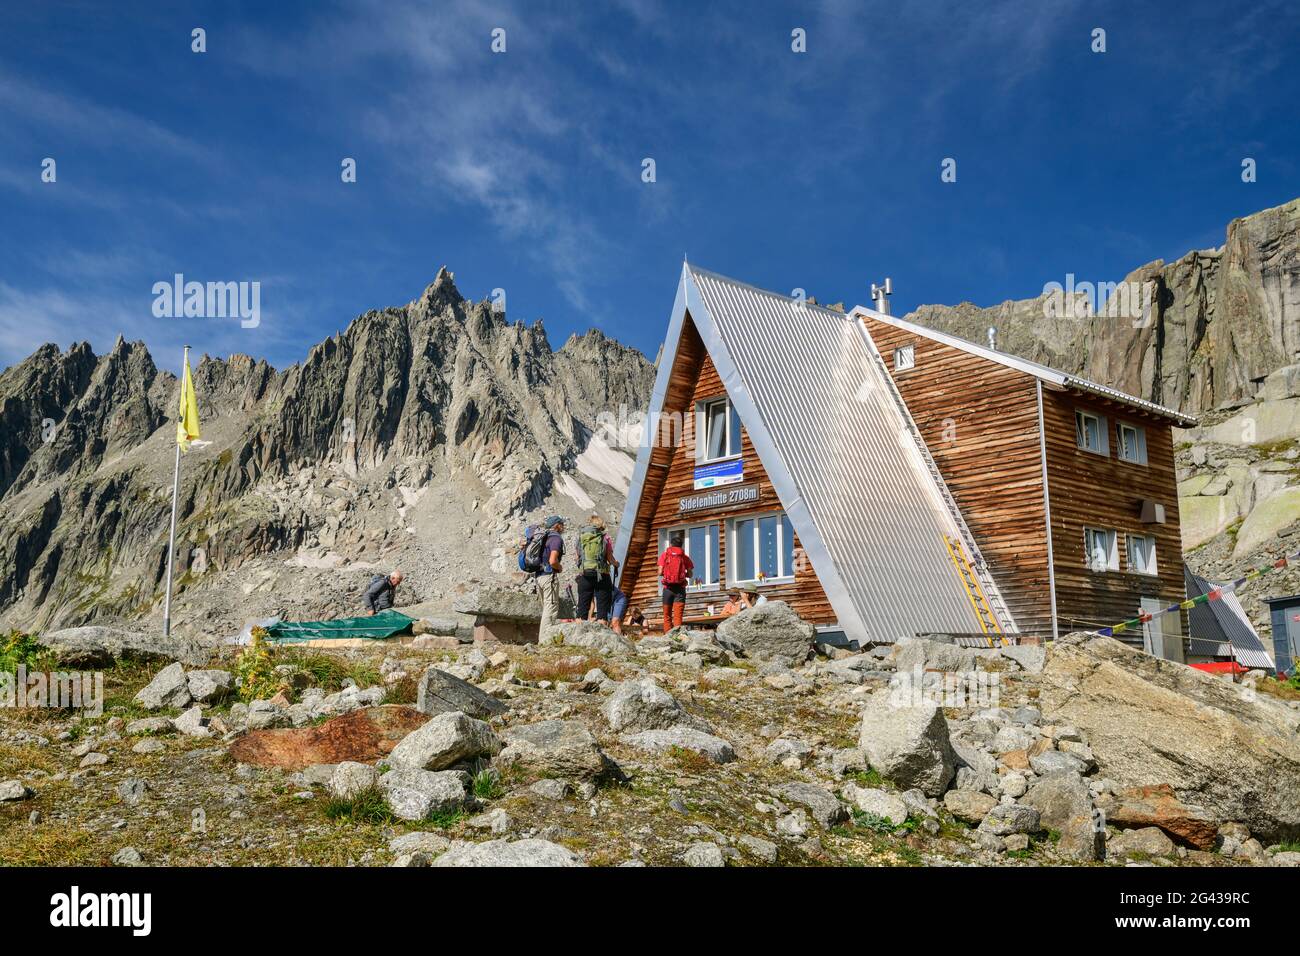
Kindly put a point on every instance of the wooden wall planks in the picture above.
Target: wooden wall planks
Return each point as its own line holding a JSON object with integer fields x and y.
{"x": 694, "y": 378}
{"x": 980, "y": 421}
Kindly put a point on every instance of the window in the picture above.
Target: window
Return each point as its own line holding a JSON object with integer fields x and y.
{"x": 718, "y": 430}
{"x": 1132, "y": 443}
{"x": 904, "y": 358}
{"x": 1099, "y": 546}
{"x": 700, "y": 541}
{"x": 1141, "y": 553}
{"x": 761, "y": 548}
{"x": 1090, "y": 432}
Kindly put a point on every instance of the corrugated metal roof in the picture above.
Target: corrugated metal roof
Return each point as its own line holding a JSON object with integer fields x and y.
{"x": 1043, "y": 372}
{"x": 1220, "y": 628}
{"x": 847, "y": 469}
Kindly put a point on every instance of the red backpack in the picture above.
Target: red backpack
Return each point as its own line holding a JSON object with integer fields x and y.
{"x": 673, "y": 565}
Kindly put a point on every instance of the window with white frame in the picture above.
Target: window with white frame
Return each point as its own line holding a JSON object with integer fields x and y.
{"x": 1100, "y": 547}
{"x": 1141, "y": 550}
{"x": 700, "y": 542}
{"x": 1132, "y": 443}
{"x": 718, "y": 430}
{"x": 760, "y": 548}
{"x": 904, "y": 358}
{"x": 1090, "y": 432}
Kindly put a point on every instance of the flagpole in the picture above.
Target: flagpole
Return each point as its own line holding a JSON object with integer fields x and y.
{"x": 171, "y": 535}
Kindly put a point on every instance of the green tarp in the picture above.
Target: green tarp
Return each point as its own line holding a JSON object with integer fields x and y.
{"x": 374, "y": 627}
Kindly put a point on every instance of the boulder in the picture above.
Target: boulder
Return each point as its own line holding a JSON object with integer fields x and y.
{"x": 169, "y": 688}
{"x": 351, "y": 778}
{"x": 1267, "y": 519}
{"x": 704, "y": 854}
{"x": 1055, "y": 761}
{"x": 1149, "y": 721}
{"x": 1030, "y": 657}
{"x": 439, "y": 692}
{"x": 414, "y": 794}
{"x": 705, "y": 645}
{"x": 877, "y": 803}
{"x": 907, "y": 742}
{"x": 784, "y": 748}
{"x": 560, "y": 748}
{"x": 1011, "y": 737}
{"x": 1159, "y": 806}
{"x": 550, "y": 789}
{"x": 363, "y": 736}
{"x": 12, "y": 790}
{"x": 191, "y": 723}
{"x": 682, "y": 737}
{"x": 917, "y": 655}
{"x": 509, "y": 853}
{"x": 824, "y": 806}
{"x": 445, "y": 740}
{"x": 1064, "y": 804}
{"x": 1008, "y": 818}
{"x": 771, "y": 631}
{"x": 150, "y": 725}
{"x": 437, "y": 626}
{"x": 96, "y": 647}
{"x": 643, "y": 705}
{"x": 502, "y": 603}
{"x": 210, "y": 686}
{"x": 765, "y": 850}
{"x": 132, "y": 791}
{"x": 588, "y": 634}
{"x": 419, "y": 841}
{"x": 1144, "y": 841}
{"x": 969, "y": 807}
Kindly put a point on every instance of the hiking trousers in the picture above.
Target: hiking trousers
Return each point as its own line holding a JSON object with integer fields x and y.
{"x": 674, "y": 598}
{"x": 594, "y": 584}
{"x": 548, "y": 592}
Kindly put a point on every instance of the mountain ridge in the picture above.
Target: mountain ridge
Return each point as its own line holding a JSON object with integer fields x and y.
{"x": 440, "y": 385}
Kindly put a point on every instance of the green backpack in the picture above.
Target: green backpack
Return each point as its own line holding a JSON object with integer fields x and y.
{"x": 591, "y": 550}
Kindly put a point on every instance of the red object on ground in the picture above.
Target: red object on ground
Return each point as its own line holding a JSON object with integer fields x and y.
{"x": 1221, "y": 667}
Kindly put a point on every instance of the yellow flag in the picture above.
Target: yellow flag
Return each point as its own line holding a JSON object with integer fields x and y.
{"x": 187, "y": 426}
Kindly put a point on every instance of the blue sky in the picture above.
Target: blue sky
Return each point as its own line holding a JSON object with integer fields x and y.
{"x": 523, "y": 170}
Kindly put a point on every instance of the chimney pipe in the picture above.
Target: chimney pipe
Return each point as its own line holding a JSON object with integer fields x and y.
{"x": 993, "y": 338}
{"x": 879, "y": 294}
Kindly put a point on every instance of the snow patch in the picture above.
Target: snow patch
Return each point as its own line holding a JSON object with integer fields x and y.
{"x": 609, "y": 466}
{"x": 567, "y": 486}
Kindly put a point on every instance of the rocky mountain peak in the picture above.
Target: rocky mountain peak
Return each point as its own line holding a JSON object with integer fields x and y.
{"x": 1220, "y": 320}
{"x": 441, "y": 292}
{"x": 439, "y": 400}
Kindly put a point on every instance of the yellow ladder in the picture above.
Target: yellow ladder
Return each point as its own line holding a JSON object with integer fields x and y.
{"x": 974, "y": 591}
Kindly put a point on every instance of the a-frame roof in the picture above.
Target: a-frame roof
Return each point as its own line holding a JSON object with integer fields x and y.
{"x": 816, "y": 403}
{"x": 1053, "y": 378}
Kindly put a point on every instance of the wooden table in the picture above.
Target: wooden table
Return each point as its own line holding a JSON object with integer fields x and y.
{"x": 696, "y": 620}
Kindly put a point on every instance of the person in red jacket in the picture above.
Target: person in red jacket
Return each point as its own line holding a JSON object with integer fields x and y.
{"x": 675, "y": 567}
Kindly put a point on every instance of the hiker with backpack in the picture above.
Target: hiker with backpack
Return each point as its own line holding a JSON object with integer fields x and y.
{"x": 382, "y": 591}
{"x": 542, "y": 557}
{"x": 595, "y": 556}
{"x": 675, "y": 567}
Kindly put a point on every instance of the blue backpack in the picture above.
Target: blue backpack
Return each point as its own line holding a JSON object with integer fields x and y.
{"x": 530, "y": 555}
